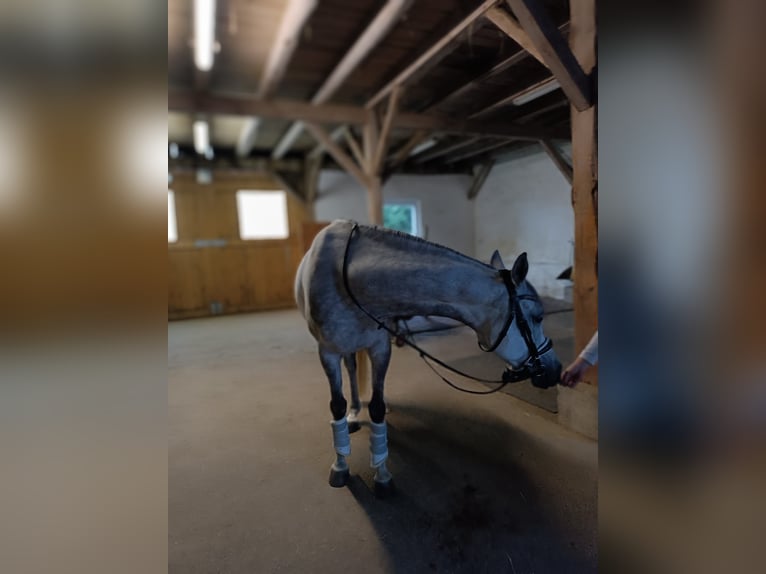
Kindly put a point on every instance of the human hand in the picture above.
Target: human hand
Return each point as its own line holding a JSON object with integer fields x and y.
{"x": 573, "y": 374}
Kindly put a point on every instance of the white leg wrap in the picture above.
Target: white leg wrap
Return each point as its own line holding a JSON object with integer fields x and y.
{"x": 378, "y": 444}
{"x": 340, "y": 437}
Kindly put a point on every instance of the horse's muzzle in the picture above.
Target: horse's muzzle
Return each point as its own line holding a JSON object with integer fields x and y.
{"x": 543, "y": 371}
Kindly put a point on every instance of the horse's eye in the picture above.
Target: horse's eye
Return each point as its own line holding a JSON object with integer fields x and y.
{"x": 537, "y": 318}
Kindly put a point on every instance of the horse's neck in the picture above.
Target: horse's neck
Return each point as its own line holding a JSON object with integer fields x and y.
{"x": 401, "y": 278}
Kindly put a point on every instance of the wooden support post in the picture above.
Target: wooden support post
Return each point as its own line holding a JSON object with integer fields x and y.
{"x": 312, "y": 167}
{"x": 375, "y": 201}
{"x": 558, "y": 159}
{"x": 584, "y": 183}
{"x": 370, "y": 138}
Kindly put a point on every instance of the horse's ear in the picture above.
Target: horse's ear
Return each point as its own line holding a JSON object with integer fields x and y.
{"x": 497, "y": 261}
{"x": 520, "y": 268}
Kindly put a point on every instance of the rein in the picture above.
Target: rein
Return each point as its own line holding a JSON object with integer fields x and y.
{"x": 514, "y": 310}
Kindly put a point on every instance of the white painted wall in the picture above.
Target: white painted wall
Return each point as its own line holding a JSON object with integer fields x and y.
{"x": 525, "y": 205}
{"x": 447, "y": 216}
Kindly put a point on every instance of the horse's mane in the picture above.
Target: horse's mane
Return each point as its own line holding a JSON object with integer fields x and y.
{"x": 406, "y": 237}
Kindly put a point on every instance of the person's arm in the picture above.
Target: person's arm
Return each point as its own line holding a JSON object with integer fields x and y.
{"x": 590, "y": 352}
{"x": 587, "y": 358}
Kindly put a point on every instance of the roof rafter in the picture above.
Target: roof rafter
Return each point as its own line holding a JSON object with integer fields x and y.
{"x": 429, "y": 54}
{"x": 294, "y": 19}
{"x": 371, "y": 37}
{"x": 498, "y": 68}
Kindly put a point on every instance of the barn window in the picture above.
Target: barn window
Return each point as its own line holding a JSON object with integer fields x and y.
{"x": 262, "y": 214}
{"x": 172, "y": 229}
{"x": 402, "y": 216}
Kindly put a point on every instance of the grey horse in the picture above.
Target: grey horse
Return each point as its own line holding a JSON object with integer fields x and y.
{"x": 395, "y": 275}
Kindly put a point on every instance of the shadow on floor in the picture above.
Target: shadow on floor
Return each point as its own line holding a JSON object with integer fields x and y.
{"x": 464, "y": 505}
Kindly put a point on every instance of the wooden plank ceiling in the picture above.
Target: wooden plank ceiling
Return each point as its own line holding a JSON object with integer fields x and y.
{"x": 477, "y": 73}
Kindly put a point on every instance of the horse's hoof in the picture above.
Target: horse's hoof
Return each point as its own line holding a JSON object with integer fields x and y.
{"x": 353, "y": 426}
{"x": 384, "y": 489}
{"x": 338, "y": 478}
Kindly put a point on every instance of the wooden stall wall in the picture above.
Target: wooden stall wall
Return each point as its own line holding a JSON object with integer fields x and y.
{"x": 231, "y": 275}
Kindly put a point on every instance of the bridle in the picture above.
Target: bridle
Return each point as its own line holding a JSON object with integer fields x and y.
{"x": 531, "y": 368}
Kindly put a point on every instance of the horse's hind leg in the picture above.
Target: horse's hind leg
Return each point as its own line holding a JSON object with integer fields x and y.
{"x": 380, "y": 356}
{"x": 356, "y": 405}
{"x": 341, "y": 439}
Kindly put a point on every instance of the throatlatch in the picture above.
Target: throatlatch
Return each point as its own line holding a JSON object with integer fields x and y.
{"x": 378, "y": 443}
{"x": 341, "y": 439}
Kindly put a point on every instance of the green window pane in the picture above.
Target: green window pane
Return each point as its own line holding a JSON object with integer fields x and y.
{"x": 399, "y": 217}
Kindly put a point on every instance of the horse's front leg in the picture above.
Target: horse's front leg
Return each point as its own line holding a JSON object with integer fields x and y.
{"x": 380, "y": 356}
{"x": 340, "y": 436}
{"x": 356, "y": 405}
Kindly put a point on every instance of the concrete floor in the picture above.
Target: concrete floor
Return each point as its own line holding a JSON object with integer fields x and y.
{"x": 485, "y": 484}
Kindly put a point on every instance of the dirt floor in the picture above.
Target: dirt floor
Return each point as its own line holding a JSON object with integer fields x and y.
{"x": 485, "y": 484}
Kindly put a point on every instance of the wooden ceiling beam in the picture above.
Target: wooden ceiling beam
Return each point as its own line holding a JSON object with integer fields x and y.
{"x": 191, "y": 102}
{"x": 370, "y": 38}
{"x": 511, "y": 27}
{"x": 555, "y": 52}
{"x": 294, "y": 19}
{"x": 429, "y": 54}
{"x": 288, "y": 36}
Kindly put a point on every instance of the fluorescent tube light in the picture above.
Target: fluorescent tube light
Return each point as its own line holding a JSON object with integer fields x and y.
{"x": 535, "y": 92}
{"x": 204, "y": 33}
{"x": 201, "y": 136}
{"x": 428, "y": 144}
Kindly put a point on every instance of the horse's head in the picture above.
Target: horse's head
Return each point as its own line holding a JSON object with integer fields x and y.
{"x": 525, "y": 347}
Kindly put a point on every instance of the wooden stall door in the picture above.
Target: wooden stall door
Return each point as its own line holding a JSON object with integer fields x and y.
{"x": 310, "y": 230}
